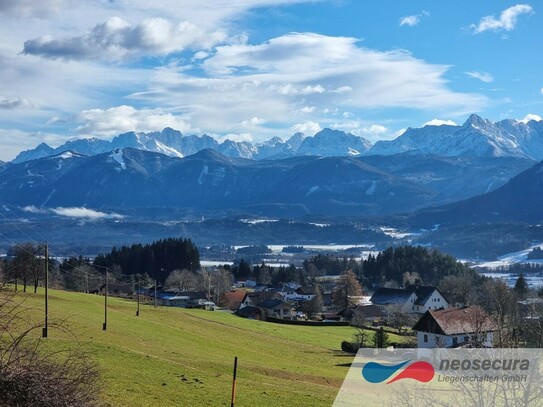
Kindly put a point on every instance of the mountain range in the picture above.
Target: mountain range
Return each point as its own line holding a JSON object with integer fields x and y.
{"x": 519, "y": 200}
{"x": 477, "y": 137}
{"x": 210, "y": 182}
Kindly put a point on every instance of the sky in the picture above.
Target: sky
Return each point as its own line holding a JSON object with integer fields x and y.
{"x": 255, "y": 69}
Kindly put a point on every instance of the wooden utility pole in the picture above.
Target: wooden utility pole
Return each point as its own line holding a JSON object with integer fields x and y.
{"x": 138, "y": 294}
{"x": 233, "y": 402}
{"x": 104, "y": 327}
{"x": 46, "y": 325}
{"x": 155, "y": 293}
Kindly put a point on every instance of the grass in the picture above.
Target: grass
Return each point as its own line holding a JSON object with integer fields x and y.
{"x": 179, "y": 357}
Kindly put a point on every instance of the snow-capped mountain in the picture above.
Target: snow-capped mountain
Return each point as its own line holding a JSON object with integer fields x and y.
{"x": 174, "y": 144}
{"x": 477, "y": 137}
{"x": 330, "y": 142}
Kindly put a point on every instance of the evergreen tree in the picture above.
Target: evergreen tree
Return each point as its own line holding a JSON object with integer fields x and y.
{"x": 380, "y": 338}
{"x": 521, "y": 286}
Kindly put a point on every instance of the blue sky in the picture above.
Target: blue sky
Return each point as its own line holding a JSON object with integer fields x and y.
{"x": 254, "y": 69}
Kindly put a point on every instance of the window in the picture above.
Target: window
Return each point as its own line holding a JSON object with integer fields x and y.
{"x": 425, "y": 339}
{"x": 455, "y": 341}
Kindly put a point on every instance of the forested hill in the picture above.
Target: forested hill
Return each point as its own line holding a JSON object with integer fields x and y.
{"x": 157, "y": 259}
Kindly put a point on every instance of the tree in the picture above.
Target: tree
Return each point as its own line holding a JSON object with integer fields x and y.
{"x": 521, "y": 287}
{"x": 498, "y": 301}
{"x": 380, "y": 338}
{"x": 27, "y": 264}
{"x": 314, "y": 305}
{"x": 398, "y": 319}
{"x": 347, "y": 287}
{"x": 217, "y": 282}
{"x": 182, "y": 280}
{"x": 243, "y": 270}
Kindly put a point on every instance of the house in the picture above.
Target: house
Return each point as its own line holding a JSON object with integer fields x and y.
{"x": 183, "y": 299}
{"x": 301, "y": 293}
{"x": 305, "y": 293}
{"x": 277, "y": 308}
{"x": 414, "y": 299}
{"x": 455, "y": 327}
{"x": 232, "y": 299}
{"x": 288, "y": 293}
{"x": 254, "y": 298}
{"x": 250, "y": 312}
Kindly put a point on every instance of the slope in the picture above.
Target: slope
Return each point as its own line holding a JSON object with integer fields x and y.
{"x": 172, "y": 357}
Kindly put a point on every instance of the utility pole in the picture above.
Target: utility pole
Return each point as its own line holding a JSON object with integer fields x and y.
{"x": 138, "y": 294}
{"x": 233, "y": 400}
{"x": 155, "y": 293}
{"x": 45, "y": 328}
{"x": 104, "y": 327}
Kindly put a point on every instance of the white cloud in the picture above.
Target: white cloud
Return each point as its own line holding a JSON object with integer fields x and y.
{"x": 439, "y": 122}
{"x": 30, "y": 8}
{"x": 117, "y": 38}
{"x": 307, "y": 127}
{"x": 115, "y": 120}
{"x": 307, "y": 109}
{"x": 530, "y": 117}
{"x": 375, "y": 129}
{"x": 482, "y": 76}
{"x": 14, "y": 103}
{"x": 507, "y": 21}
{"x": 34, "y": 209}
{"x": 238, "y": 138}
{"x": 343, "y": 89}
{"x": 85, "y": 213}
{"x": 254, "y": 121}
{"x": 413, "y": 20}
{"x": 541, "y": 91}
{"x": 302, "y": 69}
{"x": 372, "y": 132}
{"x": 410, "y": 20}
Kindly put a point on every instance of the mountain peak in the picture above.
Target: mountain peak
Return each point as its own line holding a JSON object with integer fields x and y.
{"x": 476, "y": 121}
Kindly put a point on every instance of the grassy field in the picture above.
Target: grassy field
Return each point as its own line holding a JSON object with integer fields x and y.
{"x": 178, "y": 357}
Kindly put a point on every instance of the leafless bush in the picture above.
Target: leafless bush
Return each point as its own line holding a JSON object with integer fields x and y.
{"x": 34, "y": 374}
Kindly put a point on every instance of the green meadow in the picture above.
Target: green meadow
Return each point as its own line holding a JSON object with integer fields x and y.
{"x": 179, "y": 357}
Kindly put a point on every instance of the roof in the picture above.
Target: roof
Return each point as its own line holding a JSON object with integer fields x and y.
{"x": 257, "y": 297}
{"x": 248, "y": 312}
{"x": 389, "y": 296}
{"x": 273, "y": 303}
{"x": 453, "y": 321}
{"x": 188, "y": 295}
{"x": 306, "y": 290}
{"x": 234, "y": 296}
{"x": 399, "y": 296}
{"x": 369, "y": 311}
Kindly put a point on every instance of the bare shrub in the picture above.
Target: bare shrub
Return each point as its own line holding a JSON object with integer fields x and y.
{"x": 35, "y": 373}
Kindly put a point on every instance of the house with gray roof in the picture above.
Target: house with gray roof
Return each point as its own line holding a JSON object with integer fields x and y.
{"x": 414, "y": 299}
